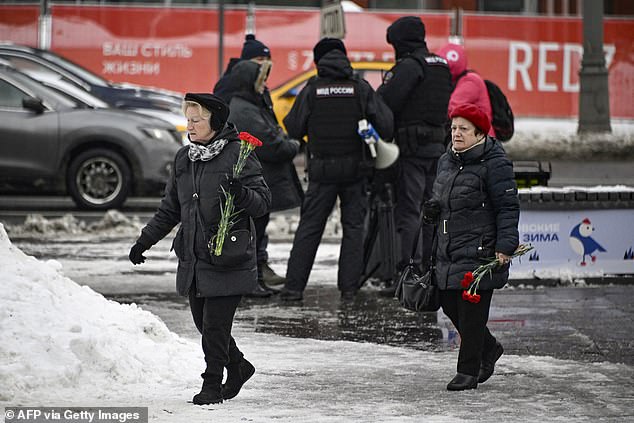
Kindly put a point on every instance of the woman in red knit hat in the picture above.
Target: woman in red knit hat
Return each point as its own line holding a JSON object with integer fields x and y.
{"x": 476, "y": 208}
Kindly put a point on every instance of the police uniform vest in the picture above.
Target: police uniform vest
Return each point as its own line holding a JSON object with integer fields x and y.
{"x": 334, "y": 117}
{"x": 335, "y": 148}
{"x": 427, "y": 104}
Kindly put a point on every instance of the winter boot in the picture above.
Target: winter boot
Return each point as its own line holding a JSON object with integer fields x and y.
{"x": 461, "y": 381}
{"x": 487, "y": 365}
{"x": 270, "y": 277}
{"x": 211, "y": 392}
{"x": 237, "y": 375}
{"x": 291, "y": 295}
{"x": 261, "y": 290}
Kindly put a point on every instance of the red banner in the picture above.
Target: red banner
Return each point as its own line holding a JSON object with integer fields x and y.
{"x": 18, "y": 24}
{"x": 537, "y": 61}
{"x": 178, "y": 48}
{"x": 534, "y": 59}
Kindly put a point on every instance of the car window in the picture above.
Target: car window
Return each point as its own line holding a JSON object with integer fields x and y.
{"x": 38, "y": 69}
{"x": 10, "y": 96}
{"x": 33, "y": 88}
{"x": 27, "y": 65}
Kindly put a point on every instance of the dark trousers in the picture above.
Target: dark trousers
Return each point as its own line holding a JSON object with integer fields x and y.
{"x": 213, "y": 317}
{"x": 470, "y": 320}
{"x": 318, "y": 203}
{"x": 414, "y": 186}
{"x": 261, "y": 238}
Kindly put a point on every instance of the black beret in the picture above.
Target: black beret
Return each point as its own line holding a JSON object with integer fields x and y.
{"x": 254, "y": 48}
{"x": 218, "y": 108}
{"x": 325, "y": 45}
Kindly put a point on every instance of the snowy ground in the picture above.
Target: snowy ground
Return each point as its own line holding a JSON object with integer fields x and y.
{"x": 64, "y": 344}
{"x": 557, "y": 139}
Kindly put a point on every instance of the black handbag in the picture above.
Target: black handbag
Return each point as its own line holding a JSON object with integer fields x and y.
{"x": 415, "y": 292}
{"x": 238, "y": 246}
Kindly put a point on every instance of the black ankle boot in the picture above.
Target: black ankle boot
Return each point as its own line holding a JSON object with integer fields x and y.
{"x": 461, "y": 381}
{"x": 211, "y": 393}
{"x": 260, "y": 290}
{"x": 487, "y": 365}
{"x": 237, "y": 375}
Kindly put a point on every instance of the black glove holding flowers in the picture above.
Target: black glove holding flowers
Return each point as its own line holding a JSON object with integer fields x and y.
{"x": 235, "y": 188}
{"x": 431, "y": 212}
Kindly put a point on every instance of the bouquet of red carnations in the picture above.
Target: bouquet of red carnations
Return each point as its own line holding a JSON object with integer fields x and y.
{"x": 248, "y": 143}
{"x": 471, "y": 280}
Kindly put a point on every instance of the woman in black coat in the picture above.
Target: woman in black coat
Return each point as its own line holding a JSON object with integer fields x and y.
{"x": 476, "y": 207}
{"x": 192, "y": 198}
{"x": 249, "y": 112}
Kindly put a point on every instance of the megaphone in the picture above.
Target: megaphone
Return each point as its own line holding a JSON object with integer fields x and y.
{"x": 384, "y": 153}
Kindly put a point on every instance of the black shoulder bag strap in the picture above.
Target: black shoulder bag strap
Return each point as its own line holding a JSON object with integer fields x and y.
{"x": 434, "y": 242}
{"x": 196, "y": 199}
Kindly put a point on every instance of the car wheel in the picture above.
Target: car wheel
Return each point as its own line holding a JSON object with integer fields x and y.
{"x": 98, "y": 179}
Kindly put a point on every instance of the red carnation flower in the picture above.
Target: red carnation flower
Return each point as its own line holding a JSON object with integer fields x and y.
{"x": 466, "y": 295}
{"x": 468, "y": 277}
{"x": 254, "y": 141}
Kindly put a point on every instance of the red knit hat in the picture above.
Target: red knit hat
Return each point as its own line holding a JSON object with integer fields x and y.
{"x": 473, "y": 114}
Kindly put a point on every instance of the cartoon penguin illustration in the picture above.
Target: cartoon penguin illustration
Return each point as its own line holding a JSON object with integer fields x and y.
{"x": 582, "y": 243}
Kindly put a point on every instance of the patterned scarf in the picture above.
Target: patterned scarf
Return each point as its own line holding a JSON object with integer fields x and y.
{"x": 206, "y": 152}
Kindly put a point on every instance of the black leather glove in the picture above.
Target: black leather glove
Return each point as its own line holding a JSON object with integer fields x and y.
{"x": 431, "y": 212}
{"x": 235, "y": 188}
{"x": 136, "y": 254}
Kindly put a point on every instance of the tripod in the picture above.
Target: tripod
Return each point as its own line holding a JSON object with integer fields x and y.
{"x": 379, "y": 248}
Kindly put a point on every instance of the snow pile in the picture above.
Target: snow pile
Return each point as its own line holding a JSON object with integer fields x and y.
{"x": 112, "y": 223}
{"x": 58, "y": 335}
{"x": 557, "y": 139}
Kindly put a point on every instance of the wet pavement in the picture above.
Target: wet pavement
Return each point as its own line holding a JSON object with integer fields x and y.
{"x": 582, "y": 323}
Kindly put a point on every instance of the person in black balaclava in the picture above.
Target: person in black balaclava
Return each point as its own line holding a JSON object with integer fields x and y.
{"x": 249, "y": 113}
{"x": 417, "y": 90}
{"x": 328, "y": 110}
{"x": 255, "y": 51}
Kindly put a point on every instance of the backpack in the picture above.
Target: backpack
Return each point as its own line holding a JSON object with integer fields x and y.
{"x": 503, "y": 121}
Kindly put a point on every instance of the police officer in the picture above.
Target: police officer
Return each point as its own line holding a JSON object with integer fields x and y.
{"x": 328, "y": 110}
{"x": 417, "y": 90}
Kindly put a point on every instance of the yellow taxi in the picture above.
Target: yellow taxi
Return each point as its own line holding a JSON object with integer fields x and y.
{"x": 284, "y": 95}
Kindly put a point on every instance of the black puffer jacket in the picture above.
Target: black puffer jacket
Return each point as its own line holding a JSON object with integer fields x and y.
{"x": 480, "y": 210}
{"x": 250, "y": 113}
{"x": 190, "y": 244}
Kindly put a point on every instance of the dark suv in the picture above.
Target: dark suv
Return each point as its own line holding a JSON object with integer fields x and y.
{"x": 51, "y": 144}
